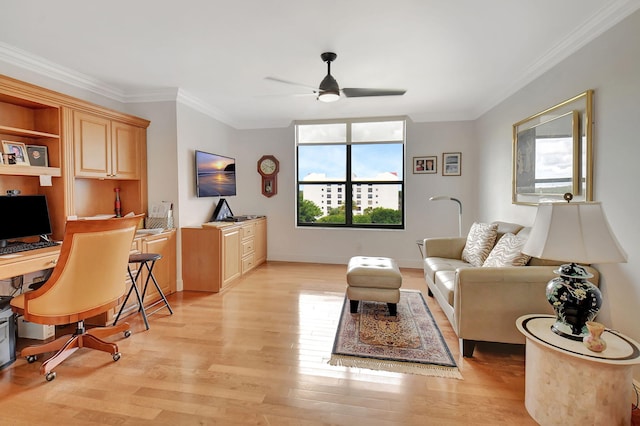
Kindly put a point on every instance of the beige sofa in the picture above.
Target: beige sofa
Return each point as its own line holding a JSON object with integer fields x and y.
{"x": 483, "y": 303}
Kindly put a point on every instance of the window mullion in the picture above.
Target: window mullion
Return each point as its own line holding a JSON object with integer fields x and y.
{"x": 348, "y": 206}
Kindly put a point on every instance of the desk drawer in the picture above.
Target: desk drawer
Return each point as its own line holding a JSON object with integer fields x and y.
{"x": 24, "y": 264}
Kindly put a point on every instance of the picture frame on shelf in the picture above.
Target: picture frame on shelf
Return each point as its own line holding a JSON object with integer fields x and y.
{"x": 451, "y": 163}
{"x": 38, "y": 155}
{"x": 425, "y": 165}
{"x": 17, "y": 148}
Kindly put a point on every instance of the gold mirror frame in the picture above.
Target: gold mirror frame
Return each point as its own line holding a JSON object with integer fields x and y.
{"x": 564, "y": 133}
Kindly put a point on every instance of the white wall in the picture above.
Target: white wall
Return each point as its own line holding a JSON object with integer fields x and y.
{"x": 162, "y": 167}
{"x": 289, "y": 243}
{"x": 197, "y": 131}
{"x": 611, "y": 66}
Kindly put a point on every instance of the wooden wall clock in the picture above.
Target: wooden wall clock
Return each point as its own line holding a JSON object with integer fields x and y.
{"x": 268, "y": 167}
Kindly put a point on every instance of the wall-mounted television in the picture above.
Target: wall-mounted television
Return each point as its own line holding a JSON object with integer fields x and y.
{"x": 215, "y": 175}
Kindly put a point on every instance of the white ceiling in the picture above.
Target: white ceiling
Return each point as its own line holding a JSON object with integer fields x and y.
{"x": 455, "y": 58}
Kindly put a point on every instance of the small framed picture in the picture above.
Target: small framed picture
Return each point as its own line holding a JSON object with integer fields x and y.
{"x": 451, "y": 164}
{"x": 17, "y": 148}
{"x": 37, "y": 155}
{"x": 425, "y": 165}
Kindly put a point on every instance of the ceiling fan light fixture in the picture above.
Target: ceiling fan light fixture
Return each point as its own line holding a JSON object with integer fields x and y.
{"x": 329, "y": 96}
{"x": 329, "y": 91}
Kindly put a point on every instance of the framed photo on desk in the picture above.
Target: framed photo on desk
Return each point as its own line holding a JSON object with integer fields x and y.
{"x": 17, "y": 148}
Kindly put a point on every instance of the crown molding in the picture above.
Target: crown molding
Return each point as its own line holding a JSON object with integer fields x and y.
{"x": 25, "y": 60}
{"x": 152, "y": 95}
{"x": 198, "y": 104}
{"x": 602, "y": 20}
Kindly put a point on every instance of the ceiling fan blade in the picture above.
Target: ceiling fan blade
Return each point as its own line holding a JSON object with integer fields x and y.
{"x": 293, "y": 83}
{"x": 353, "y": 92}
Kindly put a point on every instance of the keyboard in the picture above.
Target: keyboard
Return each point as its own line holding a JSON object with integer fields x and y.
{"x": 19, "y": 247}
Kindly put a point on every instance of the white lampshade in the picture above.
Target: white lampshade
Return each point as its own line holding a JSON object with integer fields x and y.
{"x": 573, "y": 232}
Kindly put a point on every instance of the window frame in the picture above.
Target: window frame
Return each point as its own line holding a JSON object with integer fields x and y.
{"x": 349, "y": 191}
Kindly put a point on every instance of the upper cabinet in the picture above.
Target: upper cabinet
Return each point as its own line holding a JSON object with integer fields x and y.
{"x": 104, "y": 148}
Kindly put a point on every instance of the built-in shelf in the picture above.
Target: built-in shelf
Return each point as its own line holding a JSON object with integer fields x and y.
{"x": 17, "y": 170}
{"x": 26, "y": 133}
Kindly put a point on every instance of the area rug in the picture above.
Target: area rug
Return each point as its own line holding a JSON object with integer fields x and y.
{"x": 407, "y": 343}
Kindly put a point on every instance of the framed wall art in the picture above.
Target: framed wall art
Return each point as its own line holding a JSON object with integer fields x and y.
{"x": 425, "y": 165}
{"x": 552, "y": 153}
{"x": 451, "y": 164}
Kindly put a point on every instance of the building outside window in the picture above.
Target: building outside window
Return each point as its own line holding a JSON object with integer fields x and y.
{"x": 342, "y": 156}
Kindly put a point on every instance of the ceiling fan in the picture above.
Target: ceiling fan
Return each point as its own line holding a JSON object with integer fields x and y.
{"x": 329, "y": 91}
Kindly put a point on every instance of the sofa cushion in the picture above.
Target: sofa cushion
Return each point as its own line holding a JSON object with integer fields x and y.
{"x": 507, "y": 252}
{"x": 480, "y": 241}
{"x": 436, "y": 264}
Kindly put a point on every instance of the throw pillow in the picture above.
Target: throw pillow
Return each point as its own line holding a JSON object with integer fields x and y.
{"x": 508, "y": 252}
{"x": 479, "y": 243}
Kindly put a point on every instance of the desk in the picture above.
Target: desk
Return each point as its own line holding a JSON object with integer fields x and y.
{"x": 165, "y": 270}
{"x": 567, "y": 384}
{"x": 12, "y": 265}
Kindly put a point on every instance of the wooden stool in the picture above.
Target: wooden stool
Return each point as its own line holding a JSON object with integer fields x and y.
{"x": 148, "y": 260}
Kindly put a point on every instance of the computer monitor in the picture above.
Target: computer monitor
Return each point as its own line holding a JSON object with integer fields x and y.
{"x": 23, "y": 216}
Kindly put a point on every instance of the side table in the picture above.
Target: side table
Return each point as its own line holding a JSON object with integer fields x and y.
{"x": 567, "y": 384}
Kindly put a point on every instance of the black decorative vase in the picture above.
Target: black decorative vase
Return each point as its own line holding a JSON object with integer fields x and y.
{"x": 575, "y": 301}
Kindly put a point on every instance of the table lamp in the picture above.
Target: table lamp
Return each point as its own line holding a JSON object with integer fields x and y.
{"x": 576, "y": 233}
{"x": 446, "y": 197}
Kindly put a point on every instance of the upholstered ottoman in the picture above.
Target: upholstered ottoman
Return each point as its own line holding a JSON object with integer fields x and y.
{"x": 376, "y": 279}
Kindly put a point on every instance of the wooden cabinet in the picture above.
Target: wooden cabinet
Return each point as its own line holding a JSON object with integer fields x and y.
{"x": 104, "y": 148}
{"x": 260, "y": 242}
{"x": 230, "y": 265}
{"x": 91, "y": 150}
{"x": 107, "y": 154}
{"x": 217, "y": 253}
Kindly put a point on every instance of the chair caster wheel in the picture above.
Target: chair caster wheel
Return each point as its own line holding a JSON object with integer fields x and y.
{"x": 50, "y": 376}
{"x": 116, "y": 356}
{"x": 31, "y": 359}
{"x": 127, "y": 333}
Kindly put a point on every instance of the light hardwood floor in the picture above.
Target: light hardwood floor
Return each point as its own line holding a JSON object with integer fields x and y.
{"x": 256, "y": 354}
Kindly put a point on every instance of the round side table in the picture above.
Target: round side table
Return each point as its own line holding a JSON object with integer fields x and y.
{"x": 567, "y": 384}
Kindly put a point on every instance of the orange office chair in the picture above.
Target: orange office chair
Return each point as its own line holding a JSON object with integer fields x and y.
{"x": 88, "y": 279}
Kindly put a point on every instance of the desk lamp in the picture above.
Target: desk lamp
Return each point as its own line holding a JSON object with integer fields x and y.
{"x": 446, "y": 197}
{"x": 577, "y": 233}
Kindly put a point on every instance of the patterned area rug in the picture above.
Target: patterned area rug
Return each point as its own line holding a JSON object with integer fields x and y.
{"x": 408, "y": 343}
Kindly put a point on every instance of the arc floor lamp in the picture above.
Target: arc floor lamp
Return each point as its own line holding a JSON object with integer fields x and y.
{"x": 446, "y": 197}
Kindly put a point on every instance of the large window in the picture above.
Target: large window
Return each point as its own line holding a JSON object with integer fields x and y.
{"x": 350, "y": 173}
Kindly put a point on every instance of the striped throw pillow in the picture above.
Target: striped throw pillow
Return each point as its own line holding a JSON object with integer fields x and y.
{"x": 508, "y": 252}
{"x": 480, "y": 241}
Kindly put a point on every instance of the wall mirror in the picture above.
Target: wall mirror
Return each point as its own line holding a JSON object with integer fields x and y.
{"x": 553, "y": 154}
